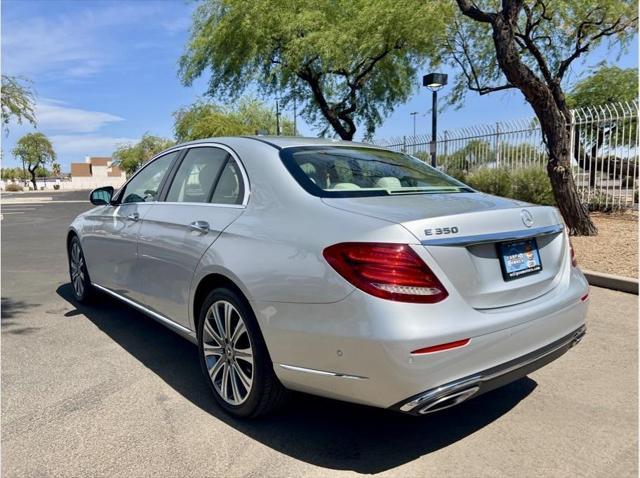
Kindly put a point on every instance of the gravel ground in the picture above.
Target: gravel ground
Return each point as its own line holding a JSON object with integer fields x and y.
{"x": 615, "y": 249}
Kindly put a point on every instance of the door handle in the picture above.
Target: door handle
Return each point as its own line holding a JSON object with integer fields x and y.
{"x": 133, "y": 216}
{"x": 200, "y": 226}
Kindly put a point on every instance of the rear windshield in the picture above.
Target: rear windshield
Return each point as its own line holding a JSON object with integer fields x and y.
{"x": 338, "y": 171}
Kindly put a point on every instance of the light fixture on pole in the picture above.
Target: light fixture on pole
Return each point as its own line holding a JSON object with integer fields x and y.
{"x": 434, "y": 81}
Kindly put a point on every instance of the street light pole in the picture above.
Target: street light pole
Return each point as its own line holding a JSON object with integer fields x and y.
{"x": 414, "y": 123}
{"x": 414, "y": 113}
{"x": 434, "y": 81}
{"x": 277, "y": 117}
{"x": 434, "y": 127}
{"x": 295, "y": 116}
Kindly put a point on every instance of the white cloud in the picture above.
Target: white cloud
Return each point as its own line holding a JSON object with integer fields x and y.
{"x": 54, "y": 115}
{"x": 177, "y": 24}
{"x": 73, "y": 45}
{"x": 88, "y": 145}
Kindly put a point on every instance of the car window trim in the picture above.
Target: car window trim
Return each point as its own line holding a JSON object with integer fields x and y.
{"x": 234, "y": 157}
{"x": 164, "y": 190}
{"x": 116, "y": 199}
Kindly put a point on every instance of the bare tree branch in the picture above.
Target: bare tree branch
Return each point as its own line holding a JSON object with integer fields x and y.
{"x": 469, "y": 70}
{"x": 583, "y": 42}
{"x": 472, "y": 11}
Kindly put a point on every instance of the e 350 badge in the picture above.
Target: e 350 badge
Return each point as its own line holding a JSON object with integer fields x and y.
{"x": 438, "y": 231}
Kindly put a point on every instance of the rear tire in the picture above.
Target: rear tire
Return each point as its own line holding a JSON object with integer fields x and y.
{"x": 78, "y": 273}
{"x": 234, "y": 358}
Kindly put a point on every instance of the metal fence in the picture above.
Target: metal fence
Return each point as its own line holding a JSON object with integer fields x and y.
{"x": 605, "y": 146}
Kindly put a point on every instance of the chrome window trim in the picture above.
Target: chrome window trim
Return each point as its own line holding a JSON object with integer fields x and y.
{"x": 494, "y": 237}
{"x": 215, "y": 204}
{"x": 232, "y": 153}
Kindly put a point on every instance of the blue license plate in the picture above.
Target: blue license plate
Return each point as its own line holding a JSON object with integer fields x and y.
{"x": 519, "y": 259}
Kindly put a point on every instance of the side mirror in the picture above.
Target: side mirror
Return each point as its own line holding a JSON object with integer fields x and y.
{"x": 101, "y": 196}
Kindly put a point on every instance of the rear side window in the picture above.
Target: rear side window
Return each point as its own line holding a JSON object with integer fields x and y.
{"x": 197, "y": 175}
{"x": 339, "y": 171}
{"x": 230, "y": 187}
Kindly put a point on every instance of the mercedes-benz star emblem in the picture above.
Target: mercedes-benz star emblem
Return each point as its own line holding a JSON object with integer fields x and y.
{"x": 527, "y": 218}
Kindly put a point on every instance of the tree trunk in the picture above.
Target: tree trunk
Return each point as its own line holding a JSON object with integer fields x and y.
{"x": 575, "y": 214}
{"x": 33, "y": 177}
{"x": 345, "y": 131}
{"x": 547, "y": 101}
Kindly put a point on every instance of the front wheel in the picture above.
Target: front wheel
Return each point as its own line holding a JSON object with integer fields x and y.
{"x": 78, "y": 273}
{"x": 234, "y": 357}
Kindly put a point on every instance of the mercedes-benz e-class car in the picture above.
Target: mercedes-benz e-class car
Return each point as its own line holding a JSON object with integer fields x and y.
{"x": 334, "y": 268}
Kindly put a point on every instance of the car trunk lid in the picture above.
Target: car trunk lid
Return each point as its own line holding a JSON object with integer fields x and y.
{"x": 460, "y": 231}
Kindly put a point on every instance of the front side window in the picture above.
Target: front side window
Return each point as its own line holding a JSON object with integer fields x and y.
{"x": 145, "y": 185}
{"x": 337, "y": 171}
{"x": 197, "y": 175}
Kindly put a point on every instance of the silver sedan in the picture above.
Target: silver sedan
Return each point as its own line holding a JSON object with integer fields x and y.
{"x": 333, "y": 268}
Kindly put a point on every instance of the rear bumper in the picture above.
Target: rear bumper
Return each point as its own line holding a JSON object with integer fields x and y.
{"x": 360, "y": 349}
{"x": 458, "y": 391}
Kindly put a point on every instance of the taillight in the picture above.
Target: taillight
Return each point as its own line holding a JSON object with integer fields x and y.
{"x": 388, "y": 271}
{"x": 574, "y": 260}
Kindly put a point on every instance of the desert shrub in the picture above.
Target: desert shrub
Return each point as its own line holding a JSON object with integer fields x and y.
{"x": 496, "y": 181}
{"x": 601, "y": 201}
{"x": 532, "y": 185}
{"x": 455, "y": 167}
{"x": 56, "y": 186}
{"x": 13, "y": 187}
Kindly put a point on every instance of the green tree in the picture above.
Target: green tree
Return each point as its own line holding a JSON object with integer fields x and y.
{"x": 131, "y": 156}
{"x": 11, "y": 173}
{"x": 344, "y": 61}
{"x": 205, "y": 119}
{"x": 530, "y": 46}
{"x": 17, "y": 102}
{"x": 604, "y": 86}
{"x": 56, "y": 169}
{"x": 608, "y": 84}
{"x": 35, "y": 150}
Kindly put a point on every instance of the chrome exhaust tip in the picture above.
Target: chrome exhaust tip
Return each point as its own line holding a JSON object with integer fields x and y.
{"x": 578, "y": 336}
{"x": 449, "y": 400}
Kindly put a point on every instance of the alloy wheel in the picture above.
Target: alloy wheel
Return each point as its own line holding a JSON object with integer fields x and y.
{"x": 228, "y": 352}
{"x": 77, "y": 269}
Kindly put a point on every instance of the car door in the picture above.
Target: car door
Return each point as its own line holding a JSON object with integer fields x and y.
{"x": 111, "y": 242}
{"x": 207, "y": 193}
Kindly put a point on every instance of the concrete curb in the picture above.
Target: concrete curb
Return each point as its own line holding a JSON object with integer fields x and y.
{"x": 610, "y": 281}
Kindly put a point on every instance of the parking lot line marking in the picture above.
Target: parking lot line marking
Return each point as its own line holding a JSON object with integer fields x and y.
{"x": 34, "y": 203}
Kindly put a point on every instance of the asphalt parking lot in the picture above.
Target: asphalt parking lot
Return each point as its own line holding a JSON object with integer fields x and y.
{"x": 105, "y": 391}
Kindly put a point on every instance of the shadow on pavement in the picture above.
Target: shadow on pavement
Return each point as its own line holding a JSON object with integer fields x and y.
{"x": 12, "y": 307}
{"x": 319, "y": 431}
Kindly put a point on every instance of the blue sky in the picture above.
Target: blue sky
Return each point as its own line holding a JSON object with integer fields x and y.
{"x": 105, "y": 72}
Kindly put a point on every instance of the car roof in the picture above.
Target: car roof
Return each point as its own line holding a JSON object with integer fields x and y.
{"x": 280, "y": 142}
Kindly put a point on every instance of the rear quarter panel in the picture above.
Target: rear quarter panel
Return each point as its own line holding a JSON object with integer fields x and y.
{"x": 273, "y": 252}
